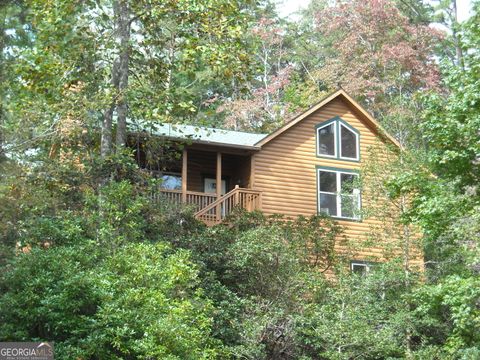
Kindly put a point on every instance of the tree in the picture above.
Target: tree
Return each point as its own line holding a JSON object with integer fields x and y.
{"x": 107, "y": 61}
{"x": 261, "y": 107}
{"x": 12, "y": 34}
{"x": 417, "y": 11}
{"x": 450, "y": 128}
{"x": 379, "y": 56}
{"x": 447, "y": 15}
{"x": 358, "y": 316}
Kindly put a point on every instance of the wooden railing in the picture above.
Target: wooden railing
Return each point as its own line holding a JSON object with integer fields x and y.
{"x": 208, "y": 208}
{"x": 215, "y": 212}
{"x": 197, "y": 199}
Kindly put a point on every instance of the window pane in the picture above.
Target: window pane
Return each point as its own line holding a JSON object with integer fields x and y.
{"x": 349, "y": 143}
{"x": 171, "y": 182}
{"x": 326, "y": 140}
{"x": 347, "y": 183}
{"x": 360, "y": 269}
{"x": 328, "y": 204}
{"x": 328, "y": 181}
{"x": 349, "y": 206}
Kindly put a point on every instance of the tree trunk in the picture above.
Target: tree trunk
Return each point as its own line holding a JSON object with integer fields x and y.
{"x": 106, "y": 133}
{"x": 122, "y": 25}
{"x": 119, "y": 82}
{"x": 456, "y": 37}
{"x": 406, "y": 240}
{"x": 3, "y": 20}
{"x": 106, "y": 143}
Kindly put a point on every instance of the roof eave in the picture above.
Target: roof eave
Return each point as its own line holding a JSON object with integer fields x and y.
{"x": 220, "y": 144}
{"x": 210, "y": 143}
{"x": 322, "y": 103}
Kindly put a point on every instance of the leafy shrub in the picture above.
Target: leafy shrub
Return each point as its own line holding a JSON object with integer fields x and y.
{"x": 256, "y": 270}
{"x": 358, "y": 316}
{"x": 138, "y": 303}
{"x": 452, "y": 309}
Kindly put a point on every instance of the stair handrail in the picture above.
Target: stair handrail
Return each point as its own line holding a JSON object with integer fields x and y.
{"x": 217, "y": 202}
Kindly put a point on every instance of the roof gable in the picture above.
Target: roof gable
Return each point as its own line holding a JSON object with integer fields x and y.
{"x": 366, "y": 117}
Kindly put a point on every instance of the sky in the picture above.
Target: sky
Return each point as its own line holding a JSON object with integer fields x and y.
{"x": 288, "y": 7}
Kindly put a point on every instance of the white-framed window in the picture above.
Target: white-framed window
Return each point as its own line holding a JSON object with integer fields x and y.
{"x": 336, "y": 139}
{"x": 349, "y": 144}
{"x": 338, "y": 193}
{"x": 361, "y": 268}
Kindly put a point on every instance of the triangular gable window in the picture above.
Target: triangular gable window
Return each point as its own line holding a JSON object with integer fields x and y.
{"x": 337, "y": 139}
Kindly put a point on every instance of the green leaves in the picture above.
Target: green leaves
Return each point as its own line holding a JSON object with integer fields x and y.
{"x": 180, "y": 55}
{"x": 137, "y": 303}
{"x": 359, "y": 316}
{"x": 453, "y": 302}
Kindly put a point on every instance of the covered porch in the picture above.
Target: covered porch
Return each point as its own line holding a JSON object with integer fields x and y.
{"x": 193, "y": 180}
{"x": 206, "y": 168}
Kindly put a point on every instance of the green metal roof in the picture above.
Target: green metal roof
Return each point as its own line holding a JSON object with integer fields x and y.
{"x": 201, "y": 134}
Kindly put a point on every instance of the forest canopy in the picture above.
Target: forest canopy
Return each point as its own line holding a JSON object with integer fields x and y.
{"x": 90, "y": 261}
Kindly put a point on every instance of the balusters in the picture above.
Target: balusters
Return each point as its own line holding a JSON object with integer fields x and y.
{"x": 214, "y": 211}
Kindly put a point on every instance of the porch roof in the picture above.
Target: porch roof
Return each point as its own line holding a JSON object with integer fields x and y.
{"x": 200, "y": 134}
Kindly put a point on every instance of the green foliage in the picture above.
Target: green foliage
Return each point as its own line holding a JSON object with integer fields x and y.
{"x": 62, "y": 229}
{"x": 451, "y": 308}
{"x": 64, "y": 202}
{"x": 83, "y": 256}
{"x": 257, "y": 273}
{"x": 448, "y": 197}
{"x": 142, "y": 302}
{"x": 39, "y": 205}
{"x": 62, "y": 80}
{"x": 315, "y": 238}
{"x": 265, "y": 252}
{"x": 359, "y": 316}
{"x": 119, "y": 214}
{"x": 451, "y": 123}
{"x": 261, "y": 263}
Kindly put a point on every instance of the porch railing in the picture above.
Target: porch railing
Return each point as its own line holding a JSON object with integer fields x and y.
{"x": 217, "y": 211}
{"x": 198, "y": 200}
{"x": 211, "y": 210}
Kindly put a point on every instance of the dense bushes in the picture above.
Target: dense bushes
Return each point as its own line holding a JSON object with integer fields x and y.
{"x": 115, "y": 275}
{"x": 118, "y": 276}
{"x": 141, "y": 302}
{"x": 258, "y": 277}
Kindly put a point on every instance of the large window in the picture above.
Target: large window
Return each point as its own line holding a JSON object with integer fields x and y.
{"x": 337, "y": 139}
{"x": 338, "y": 193}
{"x": 171, "y": 181}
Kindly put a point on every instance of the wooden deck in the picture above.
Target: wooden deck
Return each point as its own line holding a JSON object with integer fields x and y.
{"x": 211, "y": 209}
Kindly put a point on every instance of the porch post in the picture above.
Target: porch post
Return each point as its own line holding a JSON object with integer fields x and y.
{"x": 184, "y": 175}
{"x": 219, "y": 183}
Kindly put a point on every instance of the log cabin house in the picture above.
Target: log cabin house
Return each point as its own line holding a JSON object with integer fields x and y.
{"x": 307, "y": 166}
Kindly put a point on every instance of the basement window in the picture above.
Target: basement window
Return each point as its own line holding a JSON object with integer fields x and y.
{"x": 361, "y": 268}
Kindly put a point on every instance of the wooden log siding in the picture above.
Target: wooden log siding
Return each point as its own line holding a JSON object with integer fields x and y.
{"x": 285, "y": 170}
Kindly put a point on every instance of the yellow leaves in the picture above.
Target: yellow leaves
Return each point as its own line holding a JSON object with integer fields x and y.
{"x": 228, "y": 73}
{"x": 75, "y": 87}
